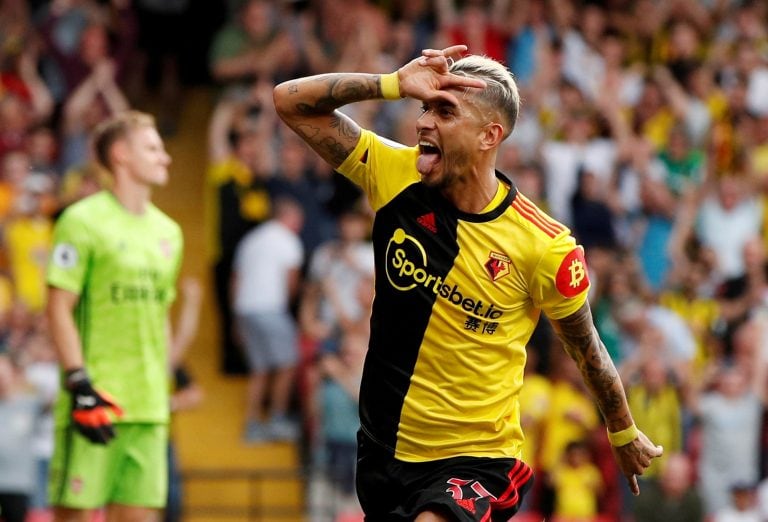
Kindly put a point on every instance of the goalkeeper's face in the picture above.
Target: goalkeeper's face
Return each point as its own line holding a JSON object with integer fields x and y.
{"x": 147, "y": 160}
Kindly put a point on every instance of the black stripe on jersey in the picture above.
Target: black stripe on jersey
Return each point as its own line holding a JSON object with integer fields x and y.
{"x": 82, "y": 314}
{"x": 417, "y": 223}
{"x": 83, "y": 309}
{"x": 493, "y": 213}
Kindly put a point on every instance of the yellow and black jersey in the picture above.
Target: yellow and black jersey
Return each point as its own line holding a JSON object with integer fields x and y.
{"x": 457, "y": 298}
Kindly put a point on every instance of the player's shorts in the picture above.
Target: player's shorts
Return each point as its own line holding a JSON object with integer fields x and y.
{"x": 270, "y": 340}
{"x": 468, "y": 489}
{"x": 132, "y": 469}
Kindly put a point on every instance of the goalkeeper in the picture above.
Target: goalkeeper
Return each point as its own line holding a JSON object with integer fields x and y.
{"x": 112, "y": 278}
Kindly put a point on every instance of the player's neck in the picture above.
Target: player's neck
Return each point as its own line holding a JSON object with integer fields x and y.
{"x": 134, "y": 198}
{"x": 474, "y": 192}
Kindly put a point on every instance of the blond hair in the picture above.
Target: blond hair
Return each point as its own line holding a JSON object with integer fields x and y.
{"x": 501, "y": 92}
{"x": 117, "y": 128}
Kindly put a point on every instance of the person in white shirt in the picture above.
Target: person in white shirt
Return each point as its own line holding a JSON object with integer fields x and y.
{"x": 266, "y": 275}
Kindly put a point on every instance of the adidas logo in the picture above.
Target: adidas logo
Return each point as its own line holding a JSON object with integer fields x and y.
{"x": 428, "y": 221}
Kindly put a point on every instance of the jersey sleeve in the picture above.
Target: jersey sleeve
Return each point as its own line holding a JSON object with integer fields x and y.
{"x": 380, "y": 167}
{"x": 70, "y": 254}
{"x": 561, "y": 282}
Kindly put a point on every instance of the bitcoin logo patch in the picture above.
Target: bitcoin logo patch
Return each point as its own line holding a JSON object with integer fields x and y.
{"x": 572, "y": 277}
{"x": 577, "y": 273}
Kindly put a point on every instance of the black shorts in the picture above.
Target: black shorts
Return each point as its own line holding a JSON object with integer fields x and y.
{"x": 467, "y": 489}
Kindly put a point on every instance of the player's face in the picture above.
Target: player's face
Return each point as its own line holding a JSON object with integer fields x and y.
{"x": 448, "y": 138}
{"x": 148, "y": 161}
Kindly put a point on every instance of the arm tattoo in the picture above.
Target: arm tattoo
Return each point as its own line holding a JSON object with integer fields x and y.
{"x": 581, "y": 341}
{"x": 334, "y": 150}
{"x": 341, "y": 89}
{"x": 345, "y": 129}
{"x": 329, "y": 92}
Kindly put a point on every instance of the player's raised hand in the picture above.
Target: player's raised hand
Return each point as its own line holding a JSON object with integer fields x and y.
{"x": 90, "y": 408}
{"x": 441, "y": 59}
{"x": 427, "y": 78}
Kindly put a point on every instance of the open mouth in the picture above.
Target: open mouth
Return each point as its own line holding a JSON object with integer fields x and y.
{"x": 429, "y": 156}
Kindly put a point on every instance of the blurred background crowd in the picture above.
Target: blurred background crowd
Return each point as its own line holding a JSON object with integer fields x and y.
{"x": 644, "y": 128}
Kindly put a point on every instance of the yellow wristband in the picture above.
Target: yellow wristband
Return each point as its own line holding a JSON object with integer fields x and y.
{"x": 390, "y": 86}
{"x": 623, "y": 437}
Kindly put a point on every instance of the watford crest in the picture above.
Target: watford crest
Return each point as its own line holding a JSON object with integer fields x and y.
{"x": 497, "y": 265}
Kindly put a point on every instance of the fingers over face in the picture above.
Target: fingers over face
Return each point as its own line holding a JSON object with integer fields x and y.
{"x": 458, "y": 81}
{"x": 448, "y": 80}
{"x": 449, "y": 54}
{"x": 438, "y": 63}
{"x": 454, "y": 51}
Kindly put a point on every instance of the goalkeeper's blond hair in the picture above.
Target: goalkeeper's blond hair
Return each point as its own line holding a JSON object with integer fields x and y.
{"x": 116, "y": 128}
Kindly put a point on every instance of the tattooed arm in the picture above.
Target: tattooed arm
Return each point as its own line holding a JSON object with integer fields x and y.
{"x": 309, "y": 105}
{"x": 583, "y": 344}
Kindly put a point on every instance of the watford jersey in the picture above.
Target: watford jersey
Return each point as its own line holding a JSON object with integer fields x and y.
{"x": 457, "y": 298}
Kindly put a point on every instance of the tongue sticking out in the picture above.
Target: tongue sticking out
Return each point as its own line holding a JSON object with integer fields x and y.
{"x": 427, "y": 162}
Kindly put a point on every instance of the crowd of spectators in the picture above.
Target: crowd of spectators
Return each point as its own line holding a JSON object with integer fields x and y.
{"x": 643, "y": 127}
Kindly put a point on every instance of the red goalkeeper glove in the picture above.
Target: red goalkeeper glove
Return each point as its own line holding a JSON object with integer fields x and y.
{"x": 90, "y": 408}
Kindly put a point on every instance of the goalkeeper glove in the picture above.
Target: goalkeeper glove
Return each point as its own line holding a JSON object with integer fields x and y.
{"x": 89, "y": 408}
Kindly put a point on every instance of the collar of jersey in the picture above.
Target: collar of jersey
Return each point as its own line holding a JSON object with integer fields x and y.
{"x": 491, "y": 214}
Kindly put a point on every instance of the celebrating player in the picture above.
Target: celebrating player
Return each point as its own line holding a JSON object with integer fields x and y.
{"x": 465, "y": 264}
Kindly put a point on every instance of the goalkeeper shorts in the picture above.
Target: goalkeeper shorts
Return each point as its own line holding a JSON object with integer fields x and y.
{"x": 131, "y": 470}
